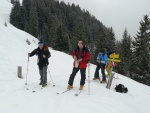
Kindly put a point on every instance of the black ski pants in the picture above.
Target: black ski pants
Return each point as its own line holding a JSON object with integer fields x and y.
{"x": 74, "y": 72}
{"x": 102, "y": 67}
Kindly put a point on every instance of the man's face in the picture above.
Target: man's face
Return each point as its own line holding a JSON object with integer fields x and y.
{"x": 105, "y": 49}
{"x": 101, "y": 53}
{"x": 80, "y": 45}
{"x": 41, "y": 47}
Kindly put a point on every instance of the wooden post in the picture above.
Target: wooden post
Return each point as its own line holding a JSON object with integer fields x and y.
{"x": 20, "y": 71}
{"x": 113, "y": 58}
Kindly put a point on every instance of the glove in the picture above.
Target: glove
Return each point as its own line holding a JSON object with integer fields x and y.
{"x": 80, "y": 60}
{"x": 44, "y": 56}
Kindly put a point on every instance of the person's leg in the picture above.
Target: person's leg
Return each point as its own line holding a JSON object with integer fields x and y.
{"x": 96, "y": 75}
{"x": 41, "y": 74}
{"x": 44, "y": 74}
{"x": 103, "y": 72}
{"x": 72, "y": 76}
{"x": 83, "y": 76}
{"x": 108, "y": 67}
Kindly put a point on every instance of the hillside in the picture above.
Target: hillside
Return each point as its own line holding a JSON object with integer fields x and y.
{"x": 16, "y": 99}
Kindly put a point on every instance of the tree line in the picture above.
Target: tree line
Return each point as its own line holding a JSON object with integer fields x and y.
{"x": 61, "y": 25}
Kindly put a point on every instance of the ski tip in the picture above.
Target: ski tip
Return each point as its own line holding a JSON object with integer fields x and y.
{"x": 33, "y": 91}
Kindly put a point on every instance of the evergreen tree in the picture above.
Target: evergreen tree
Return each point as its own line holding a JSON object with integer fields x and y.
{"x": 27, "y": 6}
{"x": 125, "y": 54}
{"x": 61, "y": 43}
{"x": 33, "y": 21}
{"x": 15, "y": 15}
{"x": 27, "y": 27}
{"x": 101, "y": 41}
{"x": 111, "y": 41}
{"x": 12, "y": 1}
{"x": 141, "y": 49}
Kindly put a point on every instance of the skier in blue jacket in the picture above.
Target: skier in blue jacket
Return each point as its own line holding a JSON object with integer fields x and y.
{"x": 101, "y": 63}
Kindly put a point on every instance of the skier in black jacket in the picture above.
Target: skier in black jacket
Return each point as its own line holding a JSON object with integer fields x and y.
{"x": 43, "y": 54}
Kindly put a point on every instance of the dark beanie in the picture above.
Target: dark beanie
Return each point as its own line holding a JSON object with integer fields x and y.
{"x": 41, "y": 42}
{"x": 102, "y": 50}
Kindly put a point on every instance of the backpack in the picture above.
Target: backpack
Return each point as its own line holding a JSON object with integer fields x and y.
{"x": 121, "y": 88}
{"x": 45, "y": 48}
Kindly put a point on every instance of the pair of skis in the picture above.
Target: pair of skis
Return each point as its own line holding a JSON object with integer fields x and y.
{"x": 35, "y": 89}
{"x": 76, "y": 94}
{"x": 79, "y": 92}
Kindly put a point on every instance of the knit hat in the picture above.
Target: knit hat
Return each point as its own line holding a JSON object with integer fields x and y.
{"x": 40, "y": 43}
{"x": 102, "y": 50}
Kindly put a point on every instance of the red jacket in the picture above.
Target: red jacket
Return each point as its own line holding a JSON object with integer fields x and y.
{"x": 83, "y": 54}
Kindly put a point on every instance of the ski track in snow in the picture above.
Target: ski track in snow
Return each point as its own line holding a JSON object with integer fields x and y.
{"x": 15, "y": 98}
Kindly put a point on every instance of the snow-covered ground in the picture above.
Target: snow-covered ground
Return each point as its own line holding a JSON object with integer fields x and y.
{"x": 14, "y": 98}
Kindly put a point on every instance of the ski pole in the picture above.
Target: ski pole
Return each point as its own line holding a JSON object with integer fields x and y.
{"x": 27, "y": 70}
{"x": 89, "y": 79}
{"x": 51, "y": 76}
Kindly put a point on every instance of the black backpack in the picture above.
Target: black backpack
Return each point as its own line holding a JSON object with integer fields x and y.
{"x": 121, "y": 88}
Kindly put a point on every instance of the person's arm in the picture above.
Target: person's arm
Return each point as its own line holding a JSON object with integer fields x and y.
{"x": 74, "y": 55}
{"x": 48, "y": 54}
{"x": 104, "y": 61}
{"x": 87, "y": 55}
{"x": 33, "y": 53}
{"x": 98, "y": 56}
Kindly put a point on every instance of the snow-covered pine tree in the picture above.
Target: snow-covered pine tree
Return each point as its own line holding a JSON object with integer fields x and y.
{"x": 111, "y": 41}
{"x": 33, "y": 21}
{"x": 141, "y": 53}
{"x": 125, "y": 54}
{"x": 15, "y": 15}
{"x": 100, "y": 42}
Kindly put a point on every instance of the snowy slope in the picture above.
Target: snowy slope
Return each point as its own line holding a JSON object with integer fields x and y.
{"x": 14, "y": 98}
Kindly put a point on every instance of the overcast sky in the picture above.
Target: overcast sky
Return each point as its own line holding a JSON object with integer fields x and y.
{"x": 117, "y": 13}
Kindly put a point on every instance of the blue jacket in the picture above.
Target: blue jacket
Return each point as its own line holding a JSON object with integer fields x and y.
{"x": 102, "y": 58}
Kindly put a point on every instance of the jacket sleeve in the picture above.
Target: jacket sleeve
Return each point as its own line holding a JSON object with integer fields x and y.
{"x": 104, "y": 61}
{"x": 48, "y": 54}
{"x": 33, "y": 53}
{"x": 105, "y": 58}
{"x": 87, "y": 55}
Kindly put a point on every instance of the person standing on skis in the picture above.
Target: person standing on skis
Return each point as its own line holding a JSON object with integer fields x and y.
{"x": 43, "y": 54}
{"x": 101, "y": 63}
{"x": 81, "y": 56}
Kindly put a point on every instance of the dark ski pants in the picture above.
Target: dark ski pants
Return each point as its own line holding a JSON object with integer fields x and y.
{"x": 43, "y": 74}
{"x": 74, "y": 72}
{"x": 102, "y": 67}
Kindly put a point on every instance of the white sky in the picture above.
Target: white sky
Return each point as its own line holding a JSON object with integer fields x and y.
{"x": 117, "y": 13}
